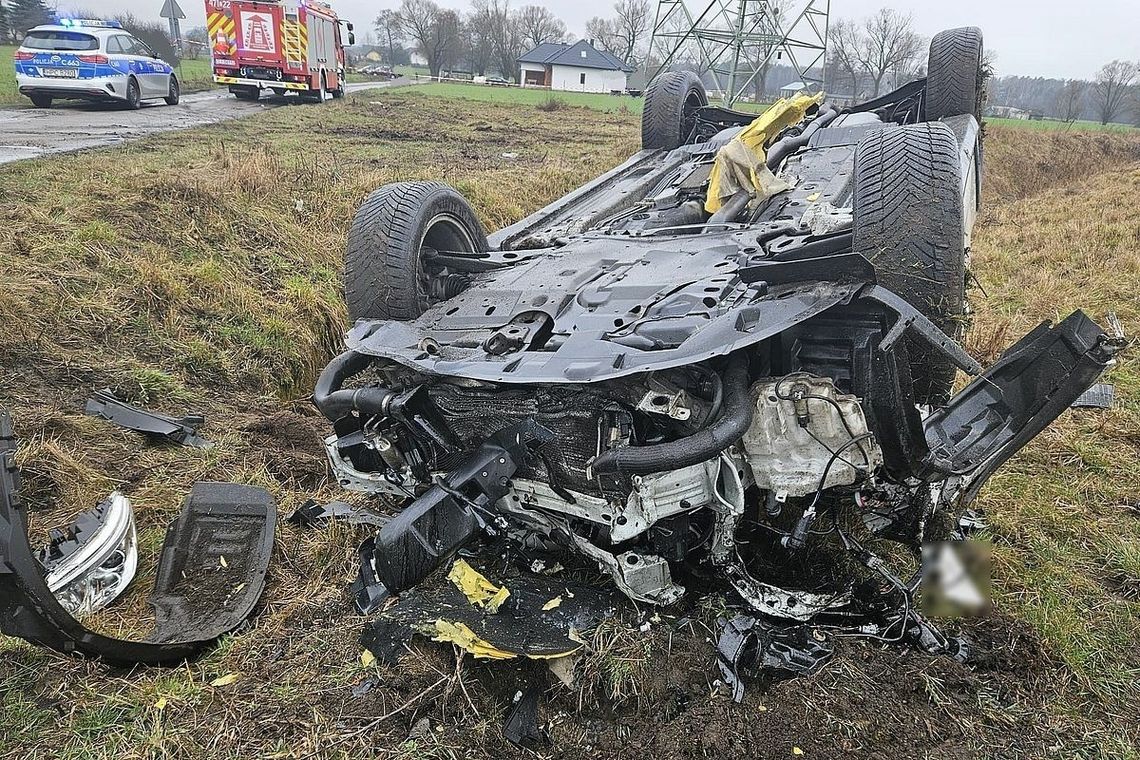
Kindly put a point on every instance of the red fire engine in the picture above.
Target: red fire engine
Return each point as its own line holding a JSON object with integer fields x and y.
{"x": 277, "y": 45}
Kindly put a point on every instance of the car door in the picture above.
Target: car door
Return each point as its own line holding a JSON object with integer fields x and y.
{"x": 153, "y": 73}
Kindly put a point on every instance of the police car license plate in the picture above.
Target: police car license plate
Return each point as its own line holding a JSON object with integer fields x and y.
{"x": 69, "y": 73}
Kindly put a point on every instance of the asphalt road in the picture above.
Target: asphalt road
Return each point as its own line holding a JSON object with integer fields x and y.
{"x": 72, "y": 125}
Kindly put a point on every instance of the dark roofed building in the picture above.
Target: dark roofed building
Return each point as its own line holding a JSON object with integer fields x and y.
{"x": 576, "y": 66}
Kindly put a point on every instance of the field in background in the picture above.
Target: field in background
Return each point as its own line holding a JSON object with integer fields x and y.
{"x": 187, "y": 305}
{"x": 1049, "y": 125}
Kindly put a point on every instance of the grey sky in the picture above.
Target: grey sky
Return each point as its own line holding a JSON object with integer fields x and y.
{"x": 1051, "y": 38}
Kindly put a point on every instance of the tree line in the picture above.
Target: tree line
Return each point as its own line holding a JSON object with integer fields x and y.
{"x": 490, "y": 36}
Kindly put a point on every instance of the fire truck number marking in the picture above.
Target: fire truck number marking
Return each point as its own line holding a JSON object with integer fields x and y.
{"x": 257, "y": 33}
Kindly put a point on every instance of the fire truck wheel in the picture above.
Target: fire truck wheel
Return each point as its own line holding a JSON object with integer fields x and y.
{"x": 175, "y": 92}
{"x": 134, "y": 95}
{"x": 246, "y": 92}
{"x": 389, "y": 266}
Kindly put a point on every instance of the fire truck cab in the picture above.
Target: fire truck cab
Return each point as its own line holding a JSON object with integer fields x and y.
{"x": 278, "y": 45}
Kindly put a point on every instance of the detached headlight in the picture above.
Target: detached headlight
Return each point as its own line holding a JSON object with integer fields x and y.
{"x": 92, "y": 562}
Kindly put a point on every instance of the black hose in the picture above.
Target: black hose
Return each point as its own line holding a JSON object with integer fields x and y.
{"x": 694, "y": 449}
{"x": 335, "y": 403}
{"x": 732, "y": 209}
{"x": 789, "y": 145}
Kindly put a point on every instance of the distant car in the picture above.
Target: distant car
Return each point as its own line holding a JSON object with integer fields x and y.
{"x": 84, "y": 59}
{"x": 497, "y": 81}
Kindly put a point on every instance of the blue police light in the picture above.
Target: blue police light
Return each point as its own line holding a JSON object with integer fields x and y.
{"x": 91, "y": 22}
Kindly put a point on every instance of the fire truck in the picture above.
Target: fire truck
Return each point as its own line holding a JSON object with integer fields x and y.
{"x": 278, "y": 45}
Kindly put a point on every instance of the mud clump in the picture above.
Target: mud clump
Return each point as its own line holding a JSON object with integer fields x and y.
{"x": 290, "y": 444}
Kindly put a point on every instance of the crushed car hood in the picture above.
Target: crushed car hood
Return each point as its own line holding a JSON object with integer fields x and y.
{"x": 604, "y": 307}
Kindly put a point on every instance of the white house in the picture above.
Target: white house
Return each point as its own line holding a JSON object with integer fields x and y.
{"x": 577, "y": 67}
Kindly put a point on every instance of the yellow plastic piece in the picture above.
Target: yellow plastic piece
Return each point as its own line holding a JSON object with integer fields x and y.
{"x": 462, "y": 636}
{"x": 740, "y": 165}
{"x": 475, "y": 586}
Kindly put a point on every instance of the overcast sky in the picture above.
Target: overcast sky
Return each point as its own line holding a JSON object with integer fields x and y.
{"x": 1052, "y": 38}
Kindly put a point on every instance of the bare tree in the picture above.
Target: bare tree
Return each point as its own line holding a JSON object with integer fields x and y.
{"x": 1112, "y": 87}
{"x": 844, "y": 41}
{"x": 1071, "y": 100}
{"x": 538, "y": 25}
{"x": 478, "y": 29}
{"x": 622, "y": 35}
{"x": 433, "y": 30}
{"x": 390, "y": 30}
{"x": 889, "y": 44}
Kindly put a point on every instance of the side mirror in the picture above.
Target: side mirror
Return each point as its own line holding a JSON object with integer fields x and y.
{"x": 348, "y": 25}
{"x": 351, "y": 38}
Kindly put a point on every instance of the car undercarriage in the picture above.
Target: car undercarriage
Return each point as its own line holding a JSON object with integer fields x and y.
{"x": 721, "y": 362}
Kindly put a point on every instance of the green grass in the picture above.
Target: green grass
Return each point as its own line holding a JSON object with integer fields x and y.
{"x": 1049, "y": 125}
{"x": 8, "y": 93}
{"x": 505, "y": 95}
{"x": 195, "y": 75}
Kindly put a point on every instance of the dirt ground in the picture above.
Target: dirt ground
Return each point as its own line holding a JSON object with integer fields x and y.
{"x": 210, "y": 318}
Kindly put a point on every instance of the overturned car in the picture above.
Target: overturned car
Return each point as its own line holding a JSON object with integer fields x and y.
{"x": 733, "y": 352}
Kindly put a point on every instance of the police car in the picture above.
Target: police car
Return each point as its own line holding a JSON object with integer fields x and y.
{"x": 86, "y": 59}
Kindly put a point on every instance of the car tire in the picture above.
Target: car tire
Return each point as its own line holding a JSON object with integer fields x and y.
{"x": 175, "y": 92}
{"x": 385, "y": 275}
{"x": 956, "y": 79}
{"x": 247, "y": 92}
{"x": 134, "y": 95}
{"x": 41, "y": 101}
{"x": 910, "y": 223}
{"x": 670, "y": 109}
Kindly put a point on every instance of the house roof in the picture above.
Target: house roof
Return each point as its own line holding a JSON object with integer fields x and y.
{"x": 580, "y": 54}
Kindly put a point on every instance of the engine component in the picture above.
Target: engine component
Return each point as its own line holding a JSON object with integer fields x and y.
{"x": 801, "y": 422}
{"x": 653, "y": 498}
{"x": 449, "y": 514}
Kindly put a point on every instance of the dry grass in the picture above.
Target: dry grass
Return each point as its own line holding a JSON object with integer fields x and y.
{"x": 211, "y": 283}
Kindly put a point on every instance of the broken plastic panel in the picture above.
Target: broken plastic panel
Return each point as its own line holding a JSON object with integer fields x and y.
{"x": 92, "y": 563}
{"x": 211, "y": 572}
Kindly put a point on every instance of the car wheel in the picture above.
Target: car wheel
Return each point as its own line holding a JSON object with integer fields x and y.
{"x": 956, "y": 81}
{"x": 134, "y": 96}
{"x": 669, "y": 114}
{"x": 388, "y": 272}
{"x": 175, "y": 92}
{"x": 41, "y": 101}
{"x": 910, "y": 223}
{"x": 246, "y": 92}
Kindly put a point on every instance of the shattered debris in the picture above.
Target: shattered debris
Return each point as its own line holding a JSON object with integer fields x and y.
{"x": 182, "y": 431}
{"x": 313, "y": 514}
{"x": 489, "y": 620}
{"x": 748, "y": 643}
{"x": 1100, "y": 396}
{"x": 196, "y": 599}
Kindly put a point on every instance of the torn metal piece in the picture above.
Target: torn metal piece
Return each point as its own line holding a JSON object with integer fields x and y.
{"x": 1100, "y": 396}
{"x": 521, "y": 726}
{"x": 800, "y": 606}
{"x": 182, "y": 431}
{"x": 746, "y": 643}
{"x": 91, "y": 563}
{"x": 210, "y": 575}
{"x": 313, "y": 514}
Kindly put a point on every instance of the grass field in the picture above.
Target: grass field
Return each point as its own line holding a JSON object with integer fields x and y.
{"x": 1050, "y": 125}
{"x": 222, "y": 295}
